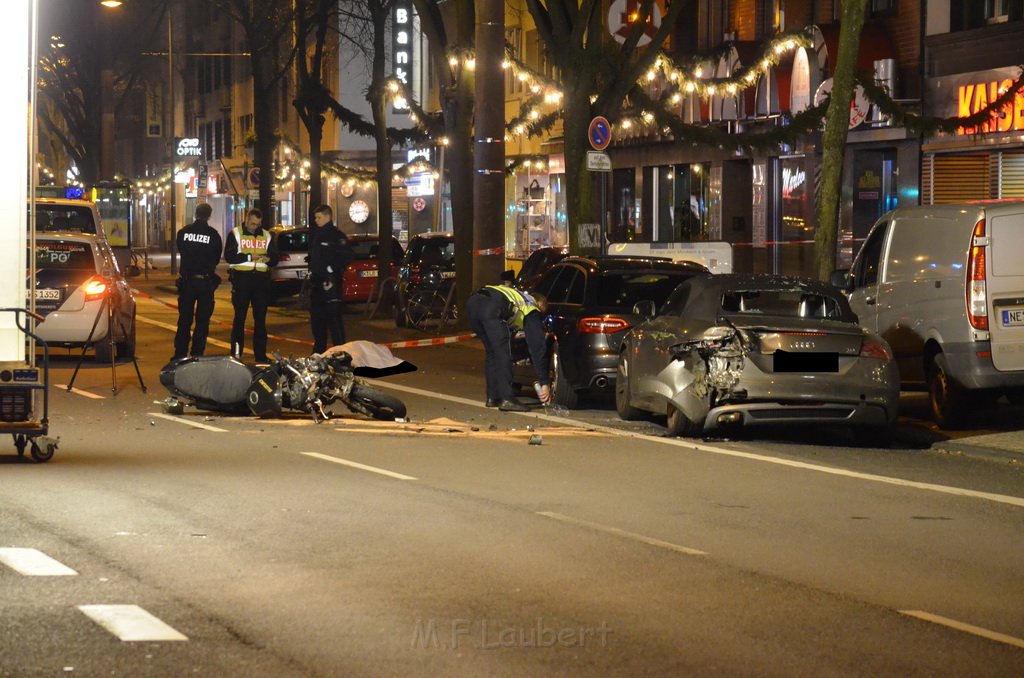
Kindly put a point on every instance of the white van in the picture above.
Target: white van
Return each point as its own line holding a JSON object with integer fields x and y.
{"x": 944, "y": 285}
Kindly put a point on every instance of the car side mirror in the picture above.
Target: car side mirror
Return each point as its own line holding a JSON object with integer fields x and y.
{"x": 841, "y": 279}
{"x": 644, "y": 309}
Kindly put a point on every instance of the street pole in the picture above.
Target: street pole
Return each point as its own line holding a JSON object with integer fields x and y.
{"x": 489, "y": 152}
{"x": 170, "y": 131}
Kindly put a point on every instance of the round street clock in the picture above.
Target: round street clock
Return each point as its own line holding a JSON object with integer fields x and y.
{"x": 358, "y": 211}
{"x": 347, "y": 189}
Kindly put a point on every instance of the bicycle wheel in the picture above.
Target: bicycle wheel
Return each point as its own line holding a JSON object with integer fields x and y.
{"x": 422, "y": 306}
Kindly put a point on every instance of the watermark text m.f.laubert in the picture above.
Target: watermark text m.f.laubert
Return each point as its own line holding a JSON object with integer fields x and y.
{"x": 486, "y": 634}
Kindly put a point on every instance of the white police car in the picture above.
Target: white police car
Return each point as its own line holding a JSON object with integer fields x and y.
{"x": 75, "y": 274}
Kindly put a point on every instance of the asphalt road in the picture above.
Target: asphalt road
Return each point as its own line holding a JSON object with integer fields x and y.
{"x": 449, "y": 545}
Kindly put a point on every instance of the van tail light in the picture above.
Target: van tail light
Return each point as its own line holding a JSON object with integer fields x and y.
{"x": 977, "y": 294}
{"x": 601, "y": 325}
{"x": 872, "y": 347}
{"x": 95, "y": 288}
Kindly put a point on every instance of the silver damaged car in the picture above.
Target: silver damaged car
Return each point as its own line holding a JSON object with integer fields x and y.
{"x": 756, "y": 350}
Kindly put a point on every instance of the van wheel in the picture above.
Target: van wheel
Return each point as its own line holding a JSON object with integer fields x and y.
{"x": 126, "y": 347}
{"x": 946, "y": 397}
{"x": 681, "y": 425}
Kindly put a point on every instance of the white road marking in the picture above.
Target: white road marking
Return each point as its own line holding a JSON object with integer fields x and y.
{"x": 80, "y": 392}
{"x": 33, "y": 563}
{"x": 174, "y": 328}
{"x": 651, "y": 541}
{"x": 131, "y": 623}
{"x": 364, "y": 467}
{"x": 966, "y": 628}
{"x": 689, "y": 444}
{"x": 182, "y": 420}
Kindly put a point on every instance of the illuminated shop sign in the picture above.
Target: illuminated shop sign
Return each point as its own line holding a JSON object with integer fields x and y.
{"x": 401, "y": 47}
{"x": 188, "y": 147}
{"x": 974, "y": 97}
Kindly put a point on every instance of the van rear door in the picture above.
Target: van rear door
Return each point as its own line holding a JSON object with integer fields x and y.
{"x": 1005, "y": 285}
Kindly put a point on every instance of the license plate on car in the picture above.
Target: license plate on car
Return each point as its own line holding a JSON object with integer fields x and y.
{"x": 48, "y": 295}
{"x": 300, "y": 274}
{"x": 1012, "y": 317}
{"x": 368, "y": 273}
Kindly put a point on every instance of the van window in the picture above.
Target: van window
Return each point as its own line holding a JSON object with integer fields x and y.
{"x": 926, "y": 249}
{"x": 865, "y": 270}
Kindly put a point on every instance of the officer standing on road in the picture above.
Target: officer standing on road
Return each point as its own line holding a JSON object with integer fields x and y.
{"x": 329, "y": 256}
{"x": 250, "y": 253}
{"x": 493, "y": 311}
{"x": 200, "y": 246}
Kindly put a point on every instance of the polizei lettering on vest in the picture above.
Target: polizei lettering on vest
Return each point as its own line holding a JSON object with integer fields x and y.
{"x": 196, "y": 237}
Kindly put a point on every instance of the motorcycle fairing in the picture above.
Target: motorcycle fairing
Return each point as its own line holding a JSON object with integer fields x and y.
{"x": 263, "y": 395}
{"x": 212, "y": 382}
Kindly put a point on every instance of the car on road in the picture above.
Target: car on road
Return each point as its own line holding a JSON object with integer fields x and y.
{"x": 82, "y": 295}
{"x": 287, "y": 276}
{"x": 361, "y": 274}
{"x": 753, "y": 350}
{"x": 590, "y": 308}
{"x": 426, "y": 274}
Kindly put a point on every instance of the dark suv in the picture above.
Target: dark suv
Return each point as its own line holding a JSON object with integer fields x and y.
{"x": 590, "y": 309}
{"x": 429, "y": 262}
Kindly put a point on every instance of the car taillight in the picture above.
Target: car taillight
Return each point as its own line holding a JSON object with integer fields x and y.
{"x": 601, "y": 325}
{"x": 874, "y": 348}
{"x": 95, "y": 288}
{"x": 284, "y": 257}
{"x": 977, "y": 295}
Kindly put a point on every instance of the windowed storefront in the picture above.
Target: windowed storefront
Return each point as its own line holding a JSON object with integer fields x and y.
{"x": 675, "y": 199}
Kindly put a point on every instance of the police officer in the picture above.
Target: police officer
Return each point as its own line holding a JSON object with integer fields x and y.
{"x": 200, "y": 246}
{"x": 493, "y": 312}
{"x": 329, "y": 256}
{"x": 250, "y": 253}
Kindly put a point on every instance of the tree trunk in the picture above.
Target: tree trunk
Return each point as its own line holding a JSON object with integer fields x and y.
{"x": 489, "y": 151}
{"x": 837, "y": 122}
{"x": 577, "y": 178}
{"x": 378, "y": 105}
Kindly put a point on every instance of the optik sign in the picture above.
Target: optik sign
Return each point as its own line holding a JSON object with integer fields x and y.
{"x": 187, "y": 147}
{"x": 401, "y": 48}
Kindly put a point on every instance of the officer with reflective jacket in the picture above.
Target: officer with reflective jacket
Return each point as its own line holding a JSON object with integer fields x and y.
{"x": 250, "y": 253}
{"x": 494, "y": 311}
{"x": 200, "y": 247}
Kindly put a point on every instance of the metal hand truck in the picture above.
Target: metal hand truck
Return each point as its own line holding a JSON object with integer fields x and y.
{"x": 21, "y": 383}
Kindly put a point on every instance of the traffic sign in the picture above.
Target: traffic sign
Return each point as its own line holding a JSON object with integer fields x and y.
{"x": 600, "y": 133}
{"x": 598, "y": 161}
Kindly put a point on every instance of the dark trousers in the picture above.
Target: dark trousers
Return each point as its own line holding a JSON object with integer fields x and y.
{"x": 325, "y": 318}
{"x": 195, "y": 301}
{"x": 250, "y": 289}
{"x": 484, "y": 313}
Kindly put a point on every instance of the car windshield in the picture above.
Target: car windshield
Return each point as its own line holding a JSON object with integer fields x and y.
{"x": 75, "y": 218}
{"x": 621, "y": 289}
{"x": 431, "y": 252}
{"x": 293, "y": 241}
{"x": 784, "y": 303}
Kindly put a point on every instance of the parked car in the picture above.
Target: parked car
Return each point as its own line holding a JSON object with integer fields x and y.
{"x": 292, "y": 268}
{"x": 590, "y": 309}
{"x": 429, "y": 262}
{"x": 76, "y": 278}
{"x": 944, "y": 285}
{"x": 361, "y": 274}
{"x": 750, "y": 350}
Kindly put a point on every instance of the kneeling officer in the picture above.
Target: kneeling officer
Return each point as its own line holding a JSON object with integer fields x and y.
{"x": 494, "y": 311}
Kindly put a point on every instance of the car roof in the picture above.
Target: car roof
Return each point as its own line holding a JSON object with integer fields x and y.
{"x": 712, "y": 285}
{"x": 633, "y": 262}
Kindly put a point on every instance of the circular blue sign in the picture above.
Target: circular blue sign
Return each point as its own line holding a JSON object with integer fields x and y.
{"x": 600, "y": 133}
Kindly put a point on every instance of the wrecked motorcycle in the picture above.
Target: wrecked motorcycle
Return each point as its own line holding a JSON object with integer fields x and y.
{"x": 311, "y": 385}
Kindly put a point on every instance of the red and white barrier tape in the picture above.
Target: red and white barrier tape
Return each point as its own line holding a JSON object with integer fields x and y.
{"x": 489, "y": 251}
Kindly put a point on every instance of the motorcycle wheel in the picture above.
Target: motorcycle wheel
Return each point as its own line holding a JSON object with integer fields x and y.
{"x": 377, "y": 404}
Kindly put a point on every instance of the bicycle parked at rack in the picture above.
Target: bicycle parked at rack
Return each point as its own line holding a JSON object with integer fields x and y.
{"x": 432, "y": 303}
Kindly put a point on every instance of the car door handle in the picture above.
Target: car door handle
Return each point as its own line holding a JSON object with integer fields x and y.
{"x": 870, "y": 301}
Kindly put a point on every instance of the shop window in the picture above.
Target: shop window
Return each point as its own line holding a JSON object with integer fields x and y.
{"x": 623, "y": 205}
{"x": 514, "y": 43}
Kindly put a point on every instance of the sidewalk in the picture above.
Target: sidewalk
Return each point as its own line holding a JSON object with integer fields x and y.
{"x": 1005, "y": 445}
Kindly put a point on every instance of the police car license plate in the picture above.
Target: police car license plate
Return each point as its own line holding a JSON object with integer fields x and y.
{"x": 368, "y": 273}
{"x": 301, "y": 274}
{"x": 1012, "y": 317}
{"x": 47, "y": 295}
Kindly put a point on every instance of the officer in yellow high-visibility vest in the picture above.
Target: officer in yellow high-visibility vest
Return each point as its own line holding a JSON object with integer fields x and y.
{"x": 250, "y": 253}
{"x": 493, "y": 312}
